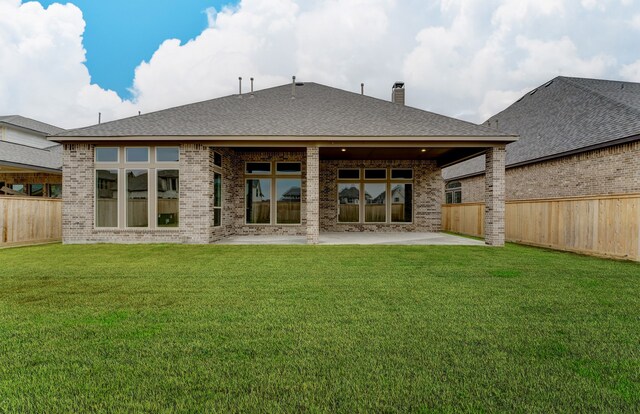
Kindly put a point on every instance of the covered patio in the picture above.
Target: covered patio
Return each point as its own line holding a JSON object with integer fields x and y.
{"x": 361, "y": 238}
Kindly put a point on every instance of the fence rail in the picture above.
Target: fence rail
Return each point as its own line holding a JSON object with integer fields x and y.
{"x": 26, "y": 220}
{"x": 598, "y": 225}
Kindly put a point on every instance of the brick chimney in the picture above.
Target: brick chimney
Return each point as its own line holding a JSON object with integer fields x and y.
{"x": 397, "y": 93}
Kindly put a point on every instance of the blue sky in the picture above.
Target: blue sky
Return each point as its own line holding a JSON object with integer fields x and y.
{"x": 140, "y": 27}
{"x": 463, "y": 58}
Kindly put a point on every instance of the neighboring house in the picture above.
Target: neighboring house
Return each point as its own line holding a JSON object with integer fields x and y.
{"x": 578, "y": 137}
{"x": 29, "y": 163}
{"x": 230, "y": 158}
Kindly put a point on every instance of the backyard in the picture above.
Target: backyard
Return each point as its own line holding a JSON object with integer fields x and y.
{"x": 163, "y": 328}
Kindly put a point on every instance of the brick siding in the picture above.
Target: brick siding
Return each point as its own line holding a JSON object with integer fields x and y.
{"x": 612, "y": 170}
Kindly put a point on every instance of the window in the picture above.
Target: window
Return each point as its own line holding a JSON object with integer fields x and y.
{"x": 106, "y": 198}
{"x": 349, "y": 202}
{"x": 149, "y": 187}
{"x": 217, "y": 199}
{"x": 375, "y": 196}
{"x": 275, "y": 197}
{"x": 167, "y": 154}
{"x": 137, "y": 154}
{"x": 55, "y": 190}
{"x": 258, "y": 201}
{"x": 137, "y": 198}
{"x": 288, "y": 200}
{"x": 378, "y": 197}
{"x": 258, "y": 168}
{"x": 168, "y": 198}
{"x": 348, "y": 174}
{"x": 106, "y": 154}
{"x": 453, "y": 192}
{"x": 18, "y": 187}
{"x": 36, "y": 190}
{"x": 375, "y": 174}
{"x": 401, "y": 202}
{"x": 217, "y": 159}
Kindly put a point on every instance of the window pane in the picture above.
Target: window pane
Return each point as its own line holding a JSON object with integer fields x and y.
{"x": 137, "y": 198}
{"x": 217, "y": 190}
{"x": 106, "y": 154}
{"x": 457, "y": 197}
{"x": 167, "y": 154}
{"x": 55, "y": 190}
{"x": 17, "y": 187}
{"x": 258, "y": 199}
{"x": 449, "y": 198}
{"x": 288, "y": 168}
{"x": 217, "y": 217}
{"x": 217, "y": 159}
{"x": 402, "y": 173}
{"x": 168, "y": 198}
{"x": 401, "y": 203}
{"x": 375, "y": 174}
{"x": 349, "y": 174}
{"x": 349, "y": 202}
{"x": 137, "y": 154}
{"x": 258, "y": 168}
{"x": 288, "y": 196}
{"x": 454, "y": 184}
{"x": 37, "y": 190}
{"x": 107, "y": 198}
{"x": 375, "y": 203}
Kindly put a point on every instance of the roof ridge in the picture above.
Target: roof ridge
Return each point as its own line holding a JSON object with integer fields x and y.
{"x": 586, "y": 88}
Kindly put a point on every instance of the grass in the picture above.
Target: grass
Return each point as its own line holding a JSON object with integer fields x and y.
{"x": 164, "y": 328}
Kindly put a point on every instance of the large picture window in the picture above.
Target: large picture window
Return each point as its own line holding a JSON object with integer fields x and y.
{"x": 381, "y": 196}
{"x": 106, "y": 198}
{"x": 134, "y": 185}
{"x": 274, "y": 196}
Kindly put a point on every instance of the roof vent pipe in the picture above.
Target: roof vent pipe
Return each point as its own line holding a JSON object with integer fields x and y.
{"x": 99, "y": 117}
{"x": 362, "y": 89}
{"x": 397, "y": 93}
{"x": 293, "y": 87}
{"x": 251, "y": 85}
{"x": 240, "y": 85}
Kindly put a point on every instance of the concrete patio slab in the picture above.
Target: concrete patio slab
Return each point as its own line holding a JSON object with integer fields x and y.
{"x": 423, "y": 239}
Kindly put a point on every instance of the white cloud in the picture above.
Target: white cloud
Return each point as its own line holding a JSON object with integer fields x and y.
{"x": 458, "y": 57}
{"x": 631, "y": 72}
{"x": 43, "y": 74}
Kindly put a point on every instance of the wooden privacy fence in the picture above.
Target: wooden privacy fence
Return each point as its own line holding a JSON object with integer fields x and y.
{"x": 598, "y": 225}
{"x": 25, "y": 220}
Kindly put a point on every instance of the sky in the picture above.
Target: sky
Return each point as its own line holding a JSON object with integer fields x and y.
{"x": 63, "y": 63}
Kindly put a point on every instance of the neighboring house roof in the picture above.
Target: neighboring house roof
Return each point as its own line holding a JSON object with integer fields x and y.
{"x": 561, "y": 117}
{"x": 23, "y": 156}
{"x": 31, "y": 124}
{"x": 316, "y": 110}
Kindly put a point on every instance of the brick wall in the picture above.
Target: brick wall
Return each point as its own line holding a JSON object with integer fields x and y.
{"x": 613, "y": 170}
{"x": 427, "y": 194}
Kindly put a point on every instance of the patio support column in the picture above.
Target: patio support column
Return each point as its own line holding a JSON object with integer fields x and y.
{"x": 494, "y": 186}
{"x": 313, "y": 194}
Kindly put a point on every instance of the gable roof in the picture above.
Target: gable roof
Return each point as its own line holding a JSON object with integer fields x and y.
{"x": 563, "y": 116}
{"x": 316, "y": 110}
{"x": 17, "y": 155}
{"x": 31, "y": 124}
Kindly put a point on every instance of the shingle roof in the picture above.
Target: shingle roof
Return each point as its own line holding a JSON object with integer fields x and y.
{"x": 317, "y": 110}
{"x": 561, "y": 116}
{"x": 49, "y": 158}
{"x": 28, "y": 123}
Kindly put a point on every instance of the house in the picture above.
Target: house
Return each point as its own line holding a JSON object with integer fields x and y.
{"x": 236, "y": 162}
{"x": 29, "y": 163}
{"x": 578, "y": 137}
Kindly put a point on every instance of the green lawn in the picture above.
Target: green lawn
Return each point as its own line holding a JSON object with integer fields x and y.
{"x": 301, "y": 328}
